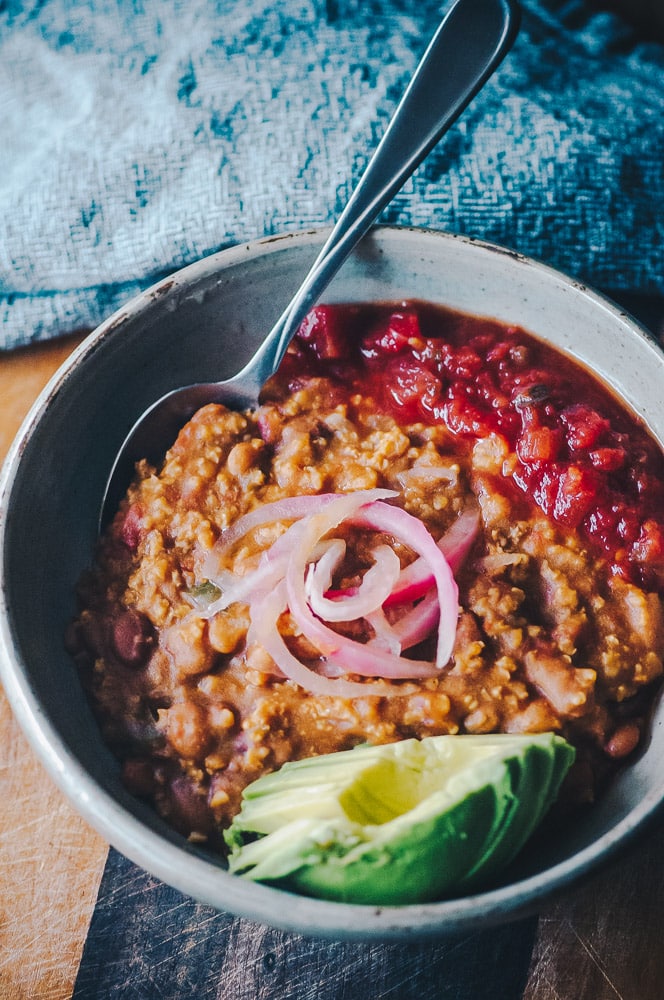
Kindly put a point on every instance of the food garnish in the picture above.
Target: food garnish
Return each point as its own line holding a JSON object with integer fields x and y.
{"x": 397, "y": 824}
{"x": 296, "y": 572}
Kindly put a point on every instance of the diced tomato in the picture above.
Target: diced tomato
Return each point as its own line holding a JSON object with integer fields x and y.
{"x": 411, "y": 386}
{"x": 324, "y": 332}
{"x": 539, "y": 444}
{"x": 577, "y": 492}
{"x": 608, "y": 459}
{"x": 463, "y": 363}
{"x": 585, "y": 426}
{"x": 649, "y": 547}
{"x": 491, "y": 393}
{"x": 400, "y": 332}
{"x": 462, "y": 414}
{"x": 602, "y": 523}
{"x": 649, "y": 488}
{"x": 498, "y": 352}
{"x": 544, "y": 488}
{"x": 625, "y": 523}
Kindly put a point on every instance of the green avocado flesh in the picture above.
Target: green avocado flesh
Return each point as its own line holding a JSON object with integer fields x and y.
{"x": 402, "y": 823}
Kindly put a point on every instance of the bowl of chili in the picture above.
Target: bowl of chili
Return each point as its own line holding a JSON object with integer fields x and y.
{"x": 569, "y": 383}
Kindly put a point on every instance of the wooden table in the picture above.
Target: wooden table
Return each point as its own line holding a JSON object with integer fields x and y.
{"x": 603, "y": 941}
{"x": 50, "y": 860}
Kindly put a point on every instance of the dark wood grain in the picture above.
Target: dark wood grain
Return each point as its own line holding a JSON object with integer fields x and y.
{"x": 147, "y": 940}
{"x": 603, "y": 941}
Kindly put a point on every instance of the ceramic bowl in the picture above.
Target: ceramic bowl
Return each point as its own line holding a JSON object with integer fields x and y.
{"x": 200, "y": 324}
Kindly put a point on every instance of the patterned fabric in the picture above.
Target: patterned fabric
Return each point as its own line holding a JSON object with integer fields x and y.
{"x": 136, "y": 137}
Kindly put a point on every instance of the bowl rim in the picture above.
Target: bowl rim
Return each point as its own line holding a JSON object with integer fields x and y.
{"x": 185, "y": 867}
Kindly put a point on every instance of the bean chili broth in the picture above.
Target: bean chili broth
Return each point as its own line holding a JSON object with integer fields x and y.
{"x": 579, "y": 455}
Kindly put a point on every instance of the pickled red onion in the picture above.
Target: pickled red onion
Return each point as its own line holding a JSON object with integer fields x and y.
{"x": 287, "y": 509}
{"x": 268, "y": 610}
{"x": 376, "y": 586}
{"x": 417, "y": 579}
{"x": 354, "y": 657}
{"x": 401, "y": 524}
{"x": 271, "y": 567}
{"x": 417, "y": 623}
{"x": 295, "y": 574}
{"x": 384, "y": 634}
{"x": 270, "y": 571}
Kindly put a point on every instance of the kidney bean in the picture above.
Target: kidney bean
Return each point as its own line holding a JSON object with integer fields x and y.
{"x": 623, "y": 741}
{"x": 132, "y": 528}
{"x": 189, "y": 811}
{"x": 73, "y": 639}
{"x": 132, "y": 637}
{"x": 138, "y": 776}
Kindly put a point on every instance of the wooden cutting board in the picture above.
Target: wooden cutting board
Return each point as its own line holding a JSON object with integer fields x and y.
{"x": 50, "y": 859}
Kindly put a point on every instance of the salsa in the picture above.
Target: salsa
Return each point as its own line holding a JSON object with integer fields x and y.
{"x": 576, "y": 452}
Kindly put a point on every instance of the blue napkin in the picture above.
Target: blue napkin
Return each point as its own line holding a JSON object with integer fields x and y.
{"x": 136, "y": 137}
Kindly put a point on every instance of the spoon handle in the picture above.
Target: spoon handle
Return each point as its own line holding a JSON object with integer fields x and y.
{"x": 469, "y": 44}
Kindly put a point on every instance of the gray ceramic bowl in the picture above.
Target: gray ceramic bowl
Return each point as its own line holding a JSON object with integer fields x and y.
{"x": 200, "y": 324}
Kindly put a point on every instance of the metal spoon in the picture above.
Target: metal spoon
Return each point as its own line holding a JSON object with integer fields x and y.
{"x": 469, "y": 44}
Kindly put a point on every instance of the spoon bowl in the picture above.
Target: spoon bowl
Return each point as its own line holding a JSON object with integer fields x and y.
{"x": 469, "y": 44}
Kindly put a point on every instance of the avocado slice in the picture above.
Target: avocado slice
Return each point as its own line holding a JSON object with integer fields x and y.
{"x": 406, "y": 822}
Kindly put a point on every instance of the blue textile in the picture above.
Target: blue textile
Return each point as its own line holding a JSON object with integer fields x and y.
{"x": 136, "y": 137}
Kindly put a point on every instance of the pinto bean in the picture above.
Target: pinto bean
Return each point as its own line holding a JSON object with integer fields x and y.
{"x": 568, "y": 690}
{"x": 244, "y": 456}
{"x": 187, "y": 729}
{"x": 187, "y": 642}
{"x": 227, "y": 629}
{"x": 132, "y": 638}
